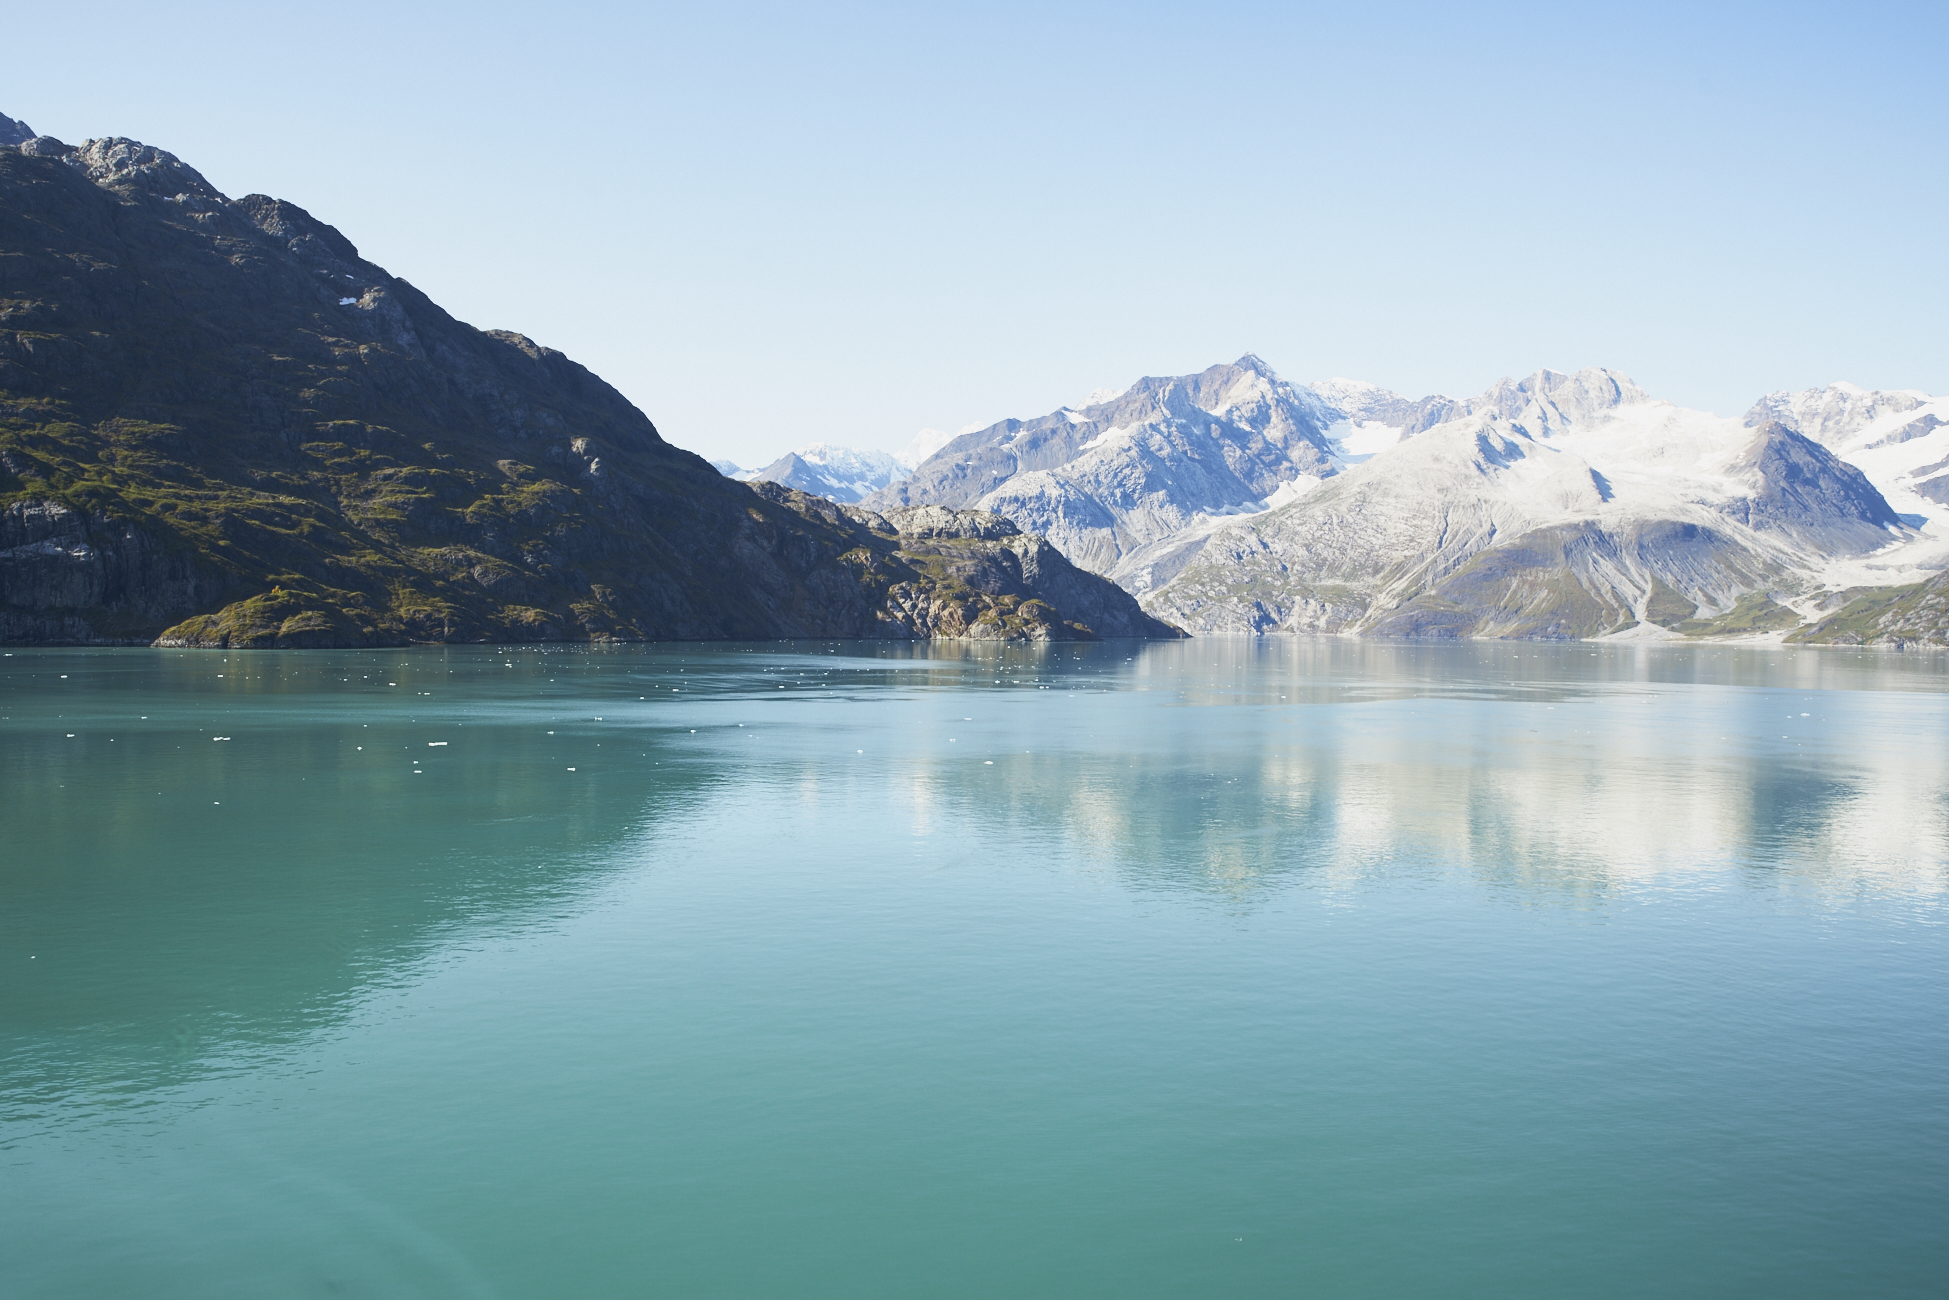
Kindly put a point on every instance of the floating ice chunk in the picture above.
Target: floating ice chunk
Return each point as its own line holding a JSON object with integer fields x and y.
{"x": 435, "y": 744}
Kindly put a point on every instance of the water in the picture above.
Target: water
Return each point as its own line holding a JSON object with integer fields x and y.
{"x": 1220, "y": 968}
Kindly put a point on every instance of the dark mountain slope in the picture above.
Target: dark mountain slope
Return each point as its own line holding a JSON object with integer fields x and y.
{"x": 220, "y": 425}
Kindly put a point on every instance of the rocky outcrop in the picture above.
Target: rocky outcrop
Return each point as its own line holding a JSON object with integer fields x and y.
{"x": 921, "y": 572}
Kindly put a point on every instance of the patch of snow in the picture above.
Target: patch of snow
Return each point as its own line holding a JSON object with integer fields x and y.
{"x": 1364, "y": 438}
{"x": 1102, "y": 438}
{"x": 1292, "y": 491}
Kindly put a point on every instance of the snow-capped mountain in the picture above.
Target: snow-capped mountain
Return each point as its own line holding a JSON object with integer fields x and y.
{"x": 1138, "y": 468}
{"x": 842, "y": 474}
{"x": 1567, "y": 506}
{"x": 1900, "y": 440}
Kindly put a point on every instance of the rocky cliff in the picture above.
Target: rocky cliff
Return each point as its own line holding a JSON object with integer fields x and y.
{"x": 219, "y": 425}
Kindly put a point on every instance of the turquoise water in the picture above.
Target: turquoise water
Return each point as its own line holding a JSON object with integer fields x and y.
{"x": 1211, "y": 969}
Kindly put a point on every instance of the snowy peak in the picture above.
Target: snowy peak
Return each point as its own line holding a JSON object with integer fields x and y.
{"x": 847, "y": 460}
{"x": 1833, "y": 415}
{"x": 1564, "y": 506}
{"x": 1358, "y": 400}
{"x": 1548, "y": 401}
{"x": 1134, "y": 468}
{"x": 1551, "y": 400}
{"x": 843, "y": 474}
{"x": 1900, "y": 439}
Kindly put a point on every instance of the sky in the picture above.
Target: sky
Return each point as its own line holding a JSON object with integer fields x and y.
{"x": 776, "y": 225}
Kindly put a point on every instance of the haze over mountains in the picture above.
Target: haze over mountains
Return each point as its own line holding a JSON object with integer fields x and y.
{"x": 836, "y": 473}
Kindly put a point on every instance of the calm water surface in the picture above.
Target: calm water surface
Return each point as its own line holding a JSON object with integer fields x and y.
{"x": 1212, "y": 969}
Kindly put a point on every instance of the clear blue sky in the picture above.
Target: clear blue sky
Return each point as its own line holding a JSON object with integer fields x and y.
{"x": 774, "y": 225}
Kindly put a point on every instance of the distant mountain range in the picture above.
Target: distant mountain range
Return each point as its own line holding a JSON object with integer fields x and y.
{"x": 220, "y": 426}
{"x": 836, "y": 473}
{"x": 1554, "y": 506}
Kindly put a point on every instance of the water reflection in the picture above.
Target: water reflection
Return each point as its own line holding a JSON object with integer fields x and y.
{"x": 179, "y": 904}
{"x": 1230, "y": 767}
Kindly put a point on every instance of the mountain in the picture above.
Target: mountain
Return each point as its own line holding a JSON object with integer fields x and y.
{"x": 1899, "y": 439}
{"x": 836, "y": 473}
{"x": 1130, "y": 471}
{"x": 219, "y": 425}
{"x": 1559, "y": 506}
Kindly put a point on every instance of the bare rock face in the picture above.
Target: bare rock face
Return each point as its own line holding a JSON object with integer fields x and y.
{"x": 1805, "y": 489}
{"x": 55, "y": 561}
{"x": 14, "y": 133}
